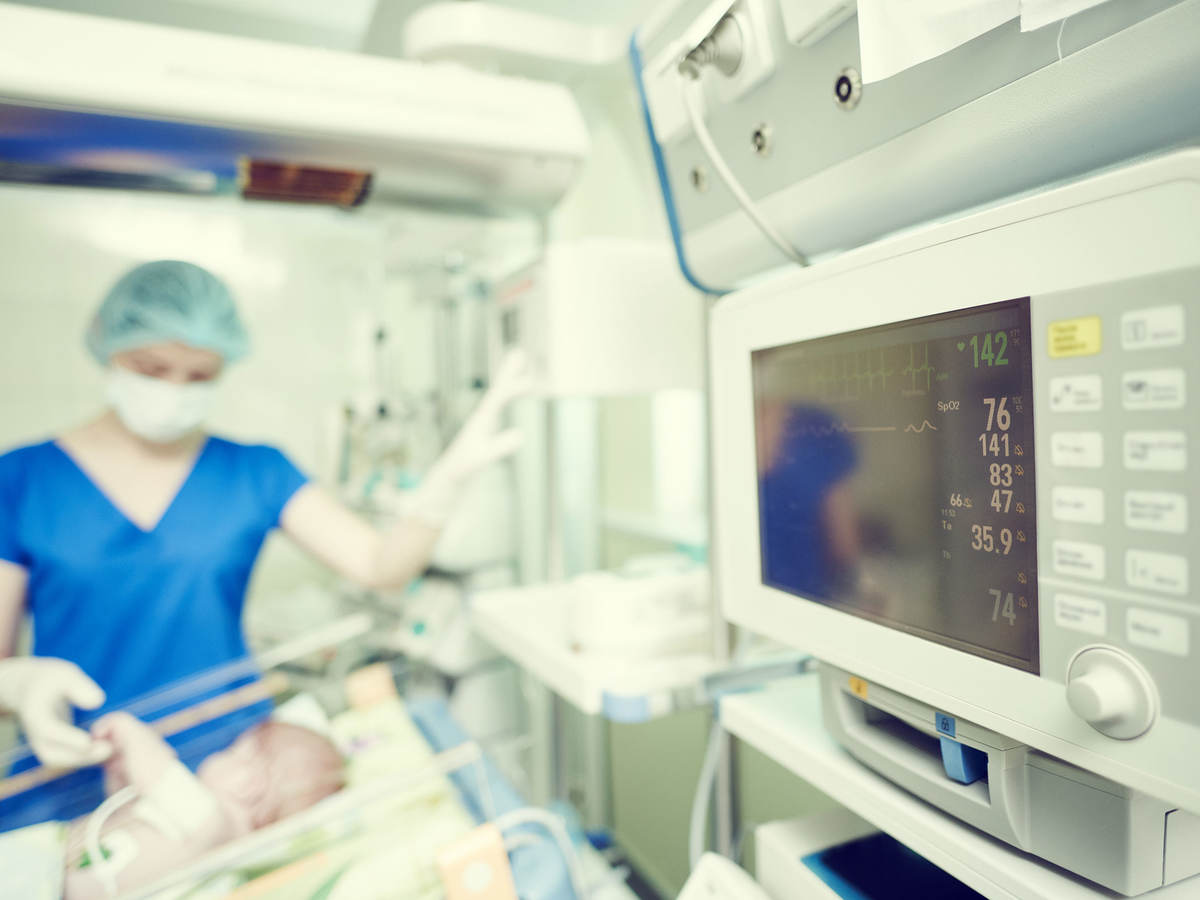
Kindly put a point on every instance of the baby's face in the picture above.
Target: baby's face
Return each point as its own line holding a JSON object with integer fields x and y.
{"x": 239, "y": 775}
{"x": 272, "y": 771}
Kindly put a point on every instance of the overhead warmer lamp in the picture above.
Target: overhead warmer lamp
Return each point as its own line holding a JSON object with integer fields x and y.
{"x": 103, "y": 102}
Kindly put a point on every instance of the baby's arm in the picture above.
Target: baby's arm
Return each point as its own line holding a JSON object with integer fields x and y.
{"x": 136, "y": 853}
{"x": 171, "y": 819}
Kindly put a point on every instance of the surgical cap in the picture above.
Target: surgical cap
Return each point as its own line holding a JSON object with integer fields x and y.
{"x": 168, "y": 300}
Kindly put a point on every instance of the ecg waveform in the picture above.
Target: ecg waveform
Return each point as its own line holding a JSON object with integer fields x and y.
{"x": 842, "y": 428}
{"x": 823, "y": 431}
{"x": 915, "y": 372}
{"x": 848, "y": 377}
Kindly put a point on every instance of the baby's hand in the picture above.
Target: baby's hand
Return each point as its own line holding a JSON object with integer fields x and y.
{"x": 139, "y": 757}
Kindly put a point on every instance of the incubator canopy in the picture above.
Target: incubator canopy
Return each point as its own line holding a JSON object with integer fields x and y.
{"x": 168, "y": 300}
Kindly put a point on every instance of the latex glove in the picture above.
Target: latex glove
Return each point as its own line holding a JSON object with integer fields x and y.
{"x": 479, "y": 443}
{"x": 41, "y": 690}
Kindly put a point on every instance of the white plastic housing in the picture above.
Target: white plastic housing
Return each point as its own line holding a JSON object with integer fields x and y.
{"x": 805, "y": 22}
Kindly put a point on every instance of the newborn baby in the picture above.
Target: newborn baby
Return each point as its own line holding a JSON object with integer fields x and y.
{"x": 163, "y": 816}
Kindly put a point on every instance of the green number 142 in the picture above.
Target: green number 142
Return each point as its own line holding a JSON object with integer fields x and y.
{"x": 990, "y": 348}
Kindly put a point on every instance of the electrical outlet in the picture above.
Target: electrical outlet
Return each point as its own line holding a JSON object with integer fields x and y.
{"x": 663, "y": 81}
{"x": 758, "y": 54}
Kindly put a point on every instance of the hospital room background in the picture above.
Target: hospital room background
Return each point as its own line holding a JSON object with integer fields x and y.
{"x": 374, "y": 331}
{"x": 315, "y": 285}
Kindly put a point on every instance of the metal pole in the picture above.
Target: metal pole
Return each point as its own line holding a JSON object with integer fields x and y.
{"x": 725, "y": 806}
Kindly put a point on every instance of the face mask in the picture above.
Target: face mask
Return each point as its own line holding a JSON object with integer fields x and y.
{"x": 158, "y": 410}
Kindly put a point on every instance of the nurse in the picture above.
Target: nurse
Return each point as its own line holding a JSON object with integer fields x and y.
{"x": 130, "y": 540}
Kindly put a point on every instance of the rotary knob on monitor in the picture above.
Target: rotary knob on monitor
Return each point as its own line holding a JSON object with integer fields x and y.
{"x": 1109, "y": 690}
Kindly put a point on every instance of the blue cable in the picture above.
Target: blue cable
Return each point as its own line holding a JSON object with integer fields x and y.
{"x": 660, "y": 166}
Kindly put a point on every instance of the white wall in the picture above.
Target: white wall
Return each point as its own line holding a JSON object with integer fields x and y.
{"x": 617, "y": 193}
{"x": 297, "y": 275}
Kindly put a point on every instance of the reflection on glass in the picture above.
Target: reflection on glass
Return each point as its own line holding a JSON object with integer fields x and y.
{"x": 809, "y": 524}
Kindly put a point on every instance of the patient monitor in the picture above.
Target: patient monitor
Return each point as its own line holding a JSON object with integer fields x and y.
{"x": 957, "y": 466}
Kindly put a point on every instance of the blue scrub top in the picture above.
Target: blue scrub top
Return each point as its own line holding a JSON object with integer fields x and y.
{"x": 138, "y": 610}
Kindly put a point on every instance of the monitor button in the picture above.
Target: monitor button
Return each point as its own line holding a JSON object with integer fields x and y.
{"x": 1077, "y": 449}
{"x": 1081, "y": 614}
{"x": 1073, "y": 337}
{"x": 1149, "y": 329}
{"x": 1077, "y": 559}
{"x": 1078, "y": 504}
{"x": 1160, "y": 451}
{"x": 1157, "y": 631}
{"x": 1153, "y": 389}
{"x": 1164, "y": 572}
{"x": 1156, "y": 511}
{"x": 1076, "y": 393}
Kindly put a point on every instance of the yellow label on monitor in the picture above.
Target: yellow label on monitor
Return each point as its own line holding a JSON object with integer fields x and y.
{"x": 858, "y": 688}
{"x": 1074, "y": 337}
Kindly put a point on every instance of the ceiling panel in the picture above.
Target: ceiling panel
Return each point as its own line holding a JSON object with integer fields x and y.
{"x": 340, "y": 25}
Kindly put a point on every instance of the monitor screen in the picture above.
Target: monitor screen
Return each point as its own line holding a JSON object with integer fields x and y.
{"x": 896, "y": 477}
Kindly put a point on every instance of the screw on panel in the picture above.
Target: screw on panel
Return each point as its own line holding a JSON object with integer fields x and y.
{"x": 847, "y": 88}
{"x": 762, "y": 140}
{"x": 700, "y": 178}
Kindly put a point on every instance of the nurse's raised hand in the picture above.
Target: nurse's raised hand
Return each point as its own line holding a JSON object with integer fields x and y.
{"x": 480, "y": 442}
{"x": 42, "y": 691}
{"x": 350, "y": 545}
